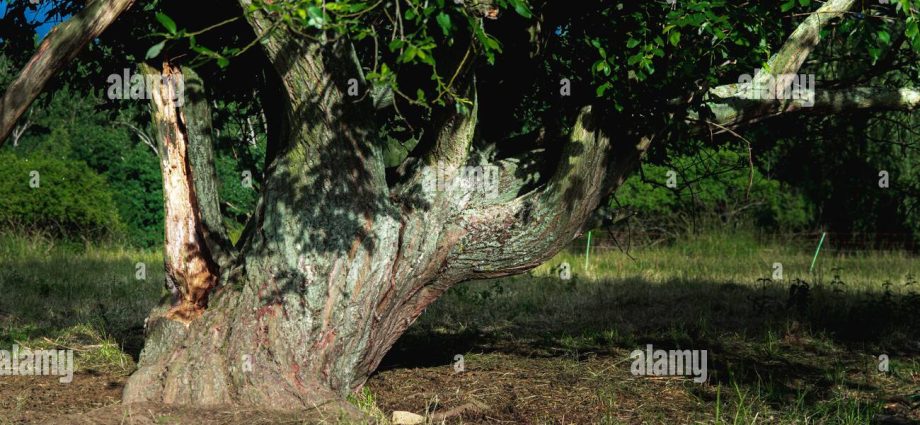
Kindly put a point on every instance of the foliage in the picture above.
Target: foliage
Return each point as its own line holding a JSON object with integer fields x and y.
{"x": 718, "y": 183}
{"x": 60, "y": 196}
{"x": 635, "y": 61}
{"x": 420, "y": 31}
{"x": 71, "y": 125}
{"x": 239, "y": 155}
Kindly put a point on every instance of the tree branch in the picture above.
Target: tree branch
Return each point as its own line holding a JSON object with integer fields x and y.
{"x": 733, "y": 105}
{"x": 805, "y": 38}
{"x": 60, "y": 46}
{"x": 730, "y": 107}
{"x": 509, "y": 238}
{"x": 145, "y": 139}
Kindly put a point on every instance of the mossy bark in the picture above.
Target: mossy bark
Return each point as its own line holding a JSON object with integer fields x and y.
{"x": 337, "y": 264}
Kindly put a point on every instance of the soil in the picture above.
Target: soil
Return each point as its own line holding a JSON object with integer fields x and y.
{"x": 493, "y": 388}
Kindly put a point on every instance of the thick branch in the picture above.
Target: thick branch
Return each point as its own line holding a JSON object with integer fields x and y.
{"x": 442, "y": 152}
{"x": 191, "y": 269}
{"x": 805, "y": 38}
{"x": 60, "y": 46}
{"x": 732, "y": 107}
{"x": 453, "y": 141}
{"x": 512, "y": 237}
{"x": 196, "y": 116}
{"x": 501, "y": 238}
{"x": 739, "y": 104}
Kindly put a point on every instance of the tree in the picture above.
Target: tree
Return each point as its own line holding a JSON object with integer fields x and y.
{"x": 343, "y": 253}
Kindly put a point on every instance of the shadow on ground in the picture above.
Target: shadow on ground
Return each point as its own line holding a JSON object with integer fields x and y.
{"x": 793, "y": 343}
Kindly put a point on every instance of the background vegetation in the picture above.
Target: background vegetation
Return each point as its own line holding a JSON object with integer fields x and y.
{"x": 682, "y": 265}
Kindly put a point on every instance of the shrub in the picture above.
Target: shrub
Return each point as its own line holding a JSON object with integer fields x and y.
{"x": 714, "y": 183}
{"x": 70, "y": 200}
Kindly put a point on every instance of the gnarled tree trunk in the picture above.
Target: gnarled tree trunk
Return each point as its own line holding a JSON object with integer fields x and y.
{"x": 337, "y": 263}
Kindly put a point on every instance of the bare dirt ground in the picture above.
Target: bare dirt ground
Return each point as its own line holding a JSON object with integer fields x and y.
{"x": 493, "y": 388}
{"x": 28, "y": 399}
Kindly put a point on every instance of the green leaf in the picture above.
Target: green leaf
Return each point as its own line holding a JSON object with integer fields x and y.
{"x": 602, "y": 89}
{"x": 521, "y": 8}
{"x": 396, "y": 44}
{"x": 316, "y": 18}
{"x": 444, "y": 22}
{"x": 674, "y": 38}
{"x": 491, "y": 43}
{"x": 787, "y": 6}
{"x": 632, "y": 43}
{"x": 884, "y": 36}
{"x": 167, "y": 22}
{"x": 912, "y": 29}
{"x": 154, "y": 50}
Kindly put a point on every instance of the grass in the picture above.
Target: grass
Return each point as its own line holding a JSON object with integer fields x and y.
{"x": 738, "y": 258}
{"x": 86, "y": 298}
{"x": 775, "y": 356}
{"x": 539, "y": 349}
{"x": 365, "y": 402}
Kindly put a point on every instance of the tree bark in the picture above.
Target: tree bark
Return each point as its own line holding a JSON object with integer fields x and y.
{"x": 196, "y": 245}
{"x": 287, "y": 330}
{"x": 339, "y": 264}
{"x": 336, "y": 264}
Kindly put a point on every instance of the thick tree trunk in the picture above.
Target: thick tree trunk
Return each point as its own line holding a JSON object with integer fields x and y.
{"x": 335, "y": 264}
{"x": 289, "y": 329}
{"x": 292, "y": 327}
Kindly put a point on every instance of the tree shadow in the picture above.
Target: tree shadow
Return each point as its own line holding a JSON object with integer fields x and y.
{"x": 753, "y": 333}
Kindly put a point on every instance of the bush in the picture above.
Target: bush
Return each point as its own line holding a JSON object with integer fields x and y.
{"x": 70, "y": 199}
{"x": 714, "y": 183}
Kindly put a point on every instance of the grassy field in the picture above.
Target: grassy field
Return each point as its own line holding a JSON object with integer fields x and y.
{"x": 539, "y": 349}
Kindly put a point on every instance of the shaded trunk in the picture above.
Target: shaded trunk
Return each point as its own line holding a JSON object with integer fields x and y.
{"x": 336, "y": 265}
{"x": 292, "y": 326}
